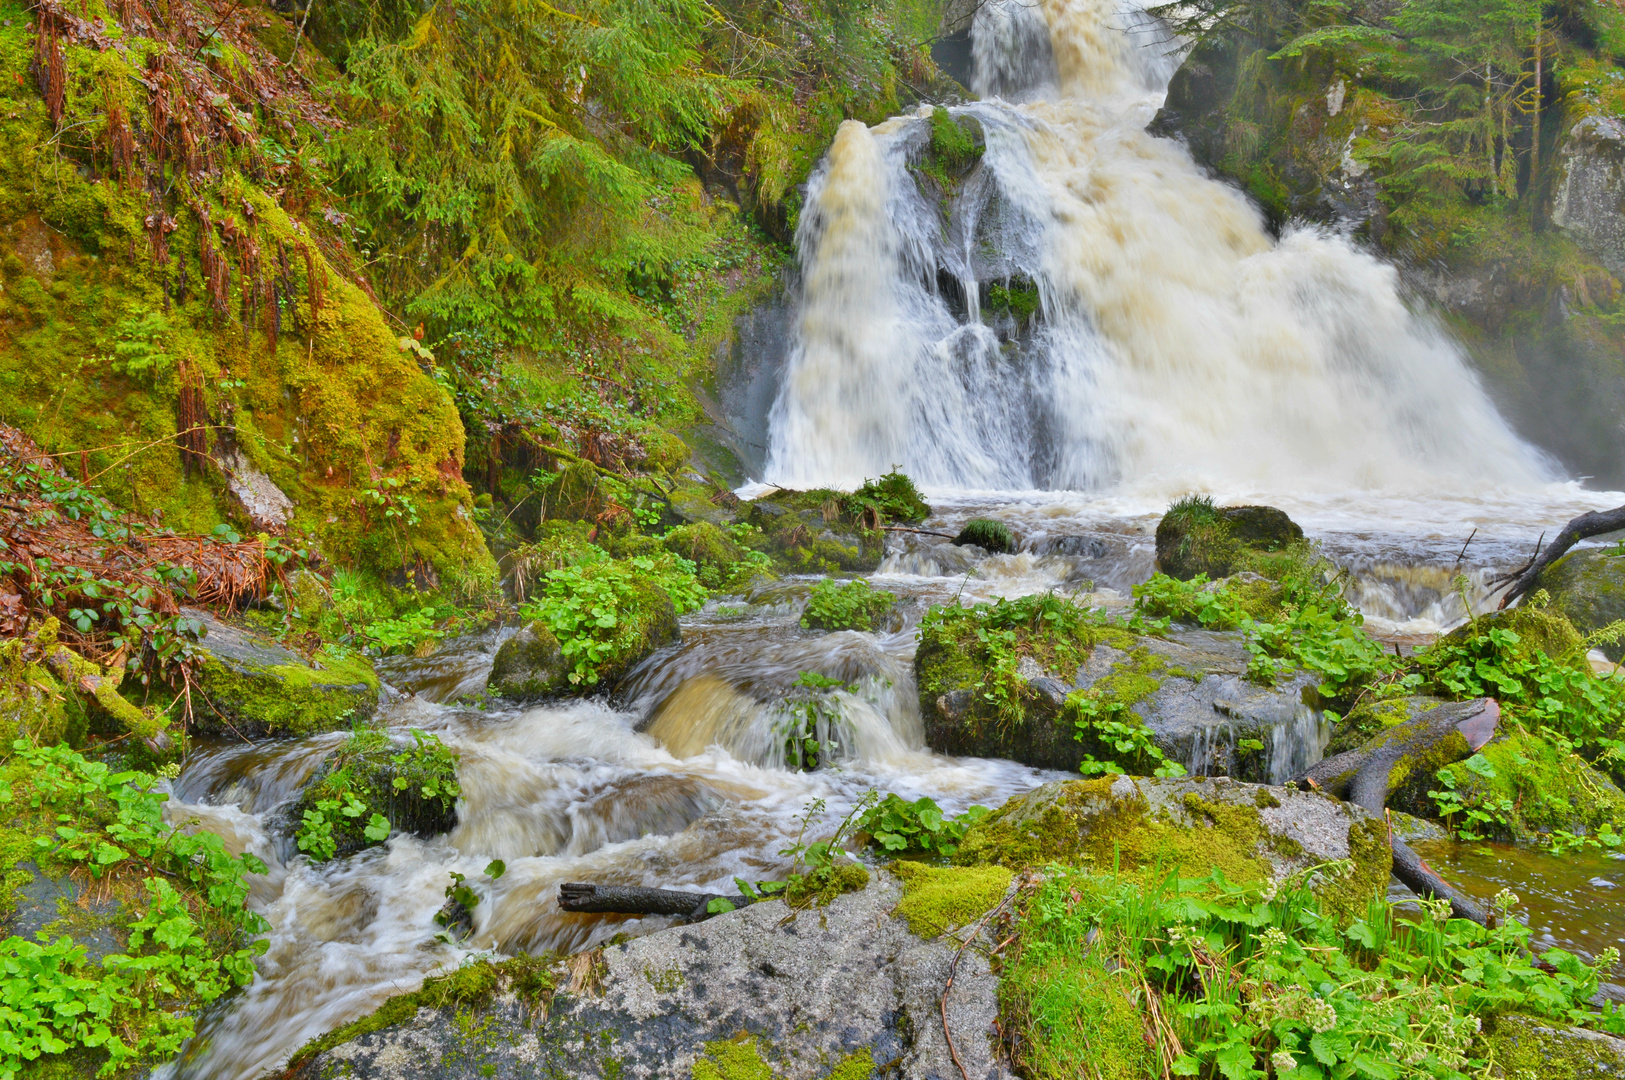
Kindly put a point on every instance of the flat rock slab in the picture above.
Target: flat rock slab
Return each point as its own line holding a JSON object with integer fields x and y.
{"x": 252, "y": 686}
{"x": 812, "y": 990}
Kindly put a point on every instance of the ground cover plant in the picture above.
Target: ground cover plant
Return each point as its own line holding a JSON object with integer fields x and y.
{"x": 173, "y": 902}
{"x": 846, "y": 605}
{"x": 1121, "y": 976}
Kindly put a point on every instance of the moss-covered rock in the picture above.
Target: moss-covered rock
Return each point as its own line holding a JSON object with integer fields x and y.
{"x": 720, "y": 561}
{"x": 937, "y": 899}
{"x": 410, "y": 781}
{"x": 33, "y": 704}
{"x": 990, "y": 535}
{"x": 1588, "y": 588}
{"x": 1195, "y": 537}
{"x": 1526, "y": 787}
{"x": 530, "y": 666}
{"x": 1525, "y": 1048}
{"x": 1539, "y": 630}
{"x": 1248, "y": 832}
{"x": 251, "y": 686}
{"x": 815, "y": 532}
{"x": 1023, "y": 699}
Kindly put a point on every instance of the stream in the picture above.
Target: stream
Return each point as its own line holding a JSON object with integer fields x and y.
{"x": 680, "y": 782}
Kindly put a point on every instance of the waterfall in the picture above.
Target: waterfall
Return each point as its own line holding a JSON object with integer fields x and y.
{"x": 1177, "y": 344}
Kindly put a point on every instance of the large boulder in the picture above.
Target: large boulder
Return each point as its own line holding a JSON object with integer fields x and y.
{"x": 1189, "y": 689}
{"x": 252, "y": 687}
{"x": 1588, "y": 588}
{"x": 1249, "y": 832}
{"x": 1195, "y": 537}
{"x": 1526, "y": 787}
{"x": 813, "y": 531}
{"x": 845, "y": 990}
{"x": 410, "y": 782}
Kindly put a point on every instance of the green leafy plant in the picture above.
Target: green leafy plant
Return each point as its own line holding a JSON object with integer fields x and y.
{"x": 896, "y": 825}
{"x": 185, "y": 942}
{"x": 1255, "y": 981}
{"x": 1115, "y": 726}
{"x": 810, "y": 726}
{"x": 850, "y": 605}
{"x": 370, "y": 780}
{"x": 600, "y": 608}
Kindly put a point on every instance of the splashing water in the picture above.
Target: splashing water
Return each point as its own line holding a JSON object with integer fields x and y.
{"x": 1178, "y": 344}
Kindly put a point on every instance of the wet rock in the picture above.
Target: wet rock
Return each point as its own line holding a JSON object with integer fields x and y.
{"x": 989, "y": 535}
{"x": 1587, "y": 200}
{"x": 529, "y": 666}
{"x": 1079, "y": 547}
{"x": 1195, "y": 537}
{"x": 1189, "y": 689}
{"x": 250, "y": 686}
{"x": 1525, "y": 1046}
{"x": 827, "y": 986}
{"x": 1588, "y": 588}
{"x": 411, "y": 782}
{"x": 1247, "y": 831}
{"x": 812, "y": 531}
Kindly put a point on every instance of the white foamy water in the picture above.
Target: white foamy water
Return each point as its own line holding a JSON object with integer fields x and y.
{"x": 568, "y": 792}
{"x": 1179, "y": 347}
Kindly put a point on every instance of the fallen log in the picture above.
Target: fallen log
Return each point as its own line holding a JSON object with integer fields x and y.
{"x": 635, "y": 900}
{"x": 1524, "y": 579}
{"x": 1408, "y": 754}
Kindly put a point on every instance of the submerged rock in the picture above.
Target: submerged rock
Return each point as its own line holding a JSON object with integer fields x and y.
{"x": 845, "y": 987}
{"x": 252, "y": 687}
{"x": 1189, "y": 689}
{"x": 1588, "y": 588}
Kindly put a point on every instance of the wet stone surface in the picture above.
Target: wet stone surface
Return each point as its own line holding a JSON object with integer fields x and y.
{"x": 812, "y": 989}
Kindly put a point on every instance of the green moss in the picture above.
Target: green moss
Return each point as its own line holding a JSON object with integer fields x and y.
{"x": 1075, "y": 1018}
{"x": 1588, "y": 588}
{"x": 937, "y": 899}
{"x": 1529, "y": 786}
{"x": 414, "y": 786}
{"x": 990, "y": 535}
{"x": 1524, "y": 1048}
{"x": 287, "y": 699}
{"x": 466, "y": 989}
{"x": 31, "y": 700}
{"x": 822, "y": 886}
{"x": 858, "y": 1065}
{"x": 735, "y": 1059}
{"x": 1372, "y": 717}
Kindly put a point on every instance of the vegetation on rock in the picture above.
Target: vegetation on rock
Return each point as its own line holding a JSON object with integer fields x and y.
{"x": 372, "y": 786}
{"x": 846, "y": 605}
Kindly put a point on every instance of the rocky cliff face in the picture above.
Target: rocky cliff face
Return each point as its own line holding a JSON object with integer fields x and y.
{"x": 1523, "y": 261}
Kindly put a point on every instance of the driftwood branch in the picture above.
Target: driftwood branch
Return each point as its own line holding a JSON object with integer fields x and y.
{"x": 1367, "y": 777}
{"x": 922, "y": 532}
{"x": 1524, "y": 579}
{"x": 636, "y": 900}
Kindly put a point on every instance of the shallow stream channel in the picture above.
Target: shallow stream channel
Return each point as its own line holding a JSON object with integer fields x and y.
{"x": 679, "y": 780}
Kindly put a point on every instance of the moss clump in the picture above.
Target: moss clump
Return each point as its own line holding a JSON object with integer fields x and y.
{"x": 893, "y": 498}
{"x": 1525, "y": 1048}
{"x": 468, "y": 987}
{"x": 1588, "y": 588}
{"x": 1075, "y": 1017}
{"x": 820, "y": 887}
{"x": 937, "y": 899}
{"x": 740, "y": 1058}
{"x": 1539, "y": 630}
{"x": 721, "y": 563}
{"x": 1523, "y": 786}
{"x": 32, "y": 705}
{"x": 990, "y": 535}
{"x": 1018, "y": 298}
{"x": 1195, "y": 537}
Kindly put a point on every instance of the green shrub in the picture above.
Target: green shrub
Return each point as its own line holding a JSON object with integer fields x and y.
{"x": 893, "y": 497}
{"x": 851, "y": 605}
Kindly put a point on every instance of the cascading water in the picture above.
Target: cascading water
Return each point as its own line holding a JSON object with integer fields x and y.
{"x": 1177, "y": 344}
